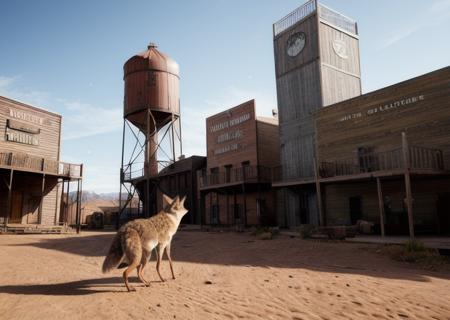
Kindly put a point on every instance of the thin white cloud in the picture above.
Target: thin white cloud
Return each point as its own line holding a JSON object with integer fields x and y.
{"x": 79, "y": 119}
{"x": 86, "y": 120}
{"x": 436, "y": 14}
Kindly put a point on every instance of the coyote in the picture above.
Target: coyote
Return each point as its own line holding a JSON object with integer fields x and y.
{"x": 135, "y": 240}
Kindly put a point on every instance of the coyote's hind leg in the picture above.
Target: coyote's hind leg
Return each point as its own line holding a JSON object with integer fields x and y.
{"x": 146, "y": 255}
{"x": 133, "y": 252}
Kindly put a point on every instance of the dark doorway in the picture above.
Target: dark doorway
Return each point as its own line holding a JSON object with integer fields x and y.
{"x": 214, "y": 214}
{"x": 355, "y": 209}
{"x": 16, "y": 207}
{"x": 443, "y": 212}
{"x": 228, "y": 173}
{"x": 263, "y": 212}
{"x": 303, "y": 208}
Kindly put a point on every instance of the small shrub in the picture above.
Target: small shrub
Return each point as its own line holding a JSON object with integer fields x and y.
{"x": 306, "y": 231}
{"x": 414, "y": 246}
{"x": 414, "y": 251}
{"x": 264, "y": 233}
{"x": 265, "y": 236}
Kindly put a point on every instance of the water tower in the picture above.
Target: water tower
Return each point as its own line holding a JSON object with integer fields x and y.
{"x": 151, "y": 129}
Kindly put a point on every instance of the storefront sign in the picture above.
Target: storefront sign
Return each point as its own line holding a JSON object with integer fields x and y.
{"x": 21, "y": 115}
{"x": 229, "y": 123}
{"x": 230, "y": 147}
{"x": 21, "y": 137}
{"x": 382, "y": 108}
{"x": 21, "y": 126}
{"x": 228, "y": 136}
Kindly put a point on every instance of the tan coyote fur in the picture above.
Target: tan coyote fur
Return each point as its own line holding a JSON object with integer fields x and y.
{"x": 134, "y": 242}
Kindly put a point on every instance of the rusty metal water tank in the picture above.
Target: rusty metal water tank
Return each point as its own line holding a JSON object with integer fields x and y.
{"x": 151, "y": 82}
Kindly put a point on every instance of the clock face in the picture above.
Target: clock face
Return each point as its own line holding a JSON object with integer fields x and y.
{"x": 295, "y": 44}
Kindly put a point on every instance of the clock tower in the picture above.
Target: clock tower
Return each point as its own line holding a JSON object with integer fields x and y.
{"x": 316, "y": 64}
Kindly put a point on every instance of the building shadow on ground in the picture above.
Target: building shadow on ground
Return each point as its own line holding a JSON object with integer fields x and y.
{"x": 242, "y": 249}
{"x": 88, "y": 246}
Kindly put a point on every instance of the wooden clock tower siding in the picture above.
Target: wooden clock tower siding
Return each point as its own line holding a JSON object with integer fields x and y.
{"x": 32, "y": 175}
{"x": 324, "y": 71}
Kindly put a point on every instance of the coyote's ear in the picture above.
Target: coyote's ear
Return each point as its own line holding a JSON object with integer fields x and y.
{"x": 182, "y": 201}
{"x": 167, "y": 201}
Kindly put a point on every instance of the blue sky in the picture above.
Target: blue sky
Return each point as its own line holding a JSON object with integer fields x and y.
{"x": 67, "y": 57}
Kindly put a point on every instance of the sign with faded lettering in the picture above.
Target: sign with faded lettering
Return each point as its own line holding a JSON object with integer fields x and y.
{"x": 21, "y": 126}
{"x": 21, "y": 137}
{"x": 229, "y": 123}
{"x": 21, "y": 115}
{"x": 383, "y": 108}
{"x": 24, "y": 131}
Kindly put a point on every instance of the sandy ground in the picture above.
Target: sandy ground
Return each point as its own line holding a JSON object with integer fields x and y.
{"x": 219, "y": 276}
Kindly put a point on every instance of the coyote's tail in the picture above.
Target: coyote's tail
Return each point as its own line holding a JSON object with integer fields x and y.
{"x": 114, "y": 255}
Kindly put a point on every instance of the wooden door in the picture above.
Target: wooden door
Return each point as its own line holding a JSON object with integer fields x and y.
{"x": 16, "y": 207}
{"x": 31, "y": 208}
{"x": 443, "y": 211}
{"x": 355, "y": 209}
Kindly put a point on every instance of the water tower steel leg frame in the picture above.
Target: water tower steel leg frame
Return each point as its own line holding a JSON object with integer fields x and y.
{"x": 150, "y": 147}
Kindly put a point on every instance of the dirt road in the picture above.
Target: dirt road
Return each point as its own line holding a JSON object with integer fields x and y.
{"x": 219, "y": 276}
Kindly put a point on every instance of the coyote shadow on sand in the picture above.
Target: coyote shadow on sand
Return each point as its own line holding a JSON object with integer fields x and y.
{"x": 74, "y": 288}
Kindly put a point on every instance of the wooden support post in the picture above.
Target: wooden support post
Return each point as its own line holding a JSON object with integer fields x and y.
{"x": 228, "y": 209}
{"x": 245, "y": 205}
{"x": 42, "y": 200}
{"x": 318, "y": 194}
{"x": 66, "y": 214}
{"x": 9, "y": 204}
{"x": 202, "y": 208}
{"x": 234, "y": 207}
{"x": 210, "y": 208}
{"x": 381, "y": 207}
{"x": 409, "y": 200}
{"x": 78, "y": 212}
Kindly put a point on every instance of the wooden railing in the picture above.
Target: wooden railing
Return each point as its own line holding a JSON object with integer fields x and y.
{"x": 132, "y": 171}
{"x": 283, "y": 174}
{"x": 257, "y": 174}
{"x": 420, "y": 158}
{"x": 294, "y": 17}
{"x": 25, "y": 162}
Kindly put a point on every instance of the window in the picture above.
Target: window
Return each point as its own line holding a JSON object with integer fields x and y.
{"x": 214, "y": 214}
{"x": 366, "y": 159}
{"x": 228, "y": 173}
{"x": 214, "y": 175}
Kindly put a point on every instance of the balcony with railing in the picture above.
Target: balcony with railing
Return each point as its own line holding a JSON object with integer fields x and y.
{"x": 233, "y": 176}
{"x": 25, "y": 162}
{"x": 421, "y": 160}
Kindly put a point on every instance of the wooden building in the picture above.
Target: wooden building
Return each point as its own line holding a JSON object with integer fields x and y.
{"x": 385, "y": 157}
{"x": 316, "y": 53}
{"x": 180, "y": 178}
{"x": 31, "y": 173}
{"x": 235, "y": 187}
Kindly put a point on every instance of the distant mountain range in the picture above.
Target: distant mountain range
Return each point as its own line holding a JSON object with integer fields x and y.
{"x": 91, "y": 195}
